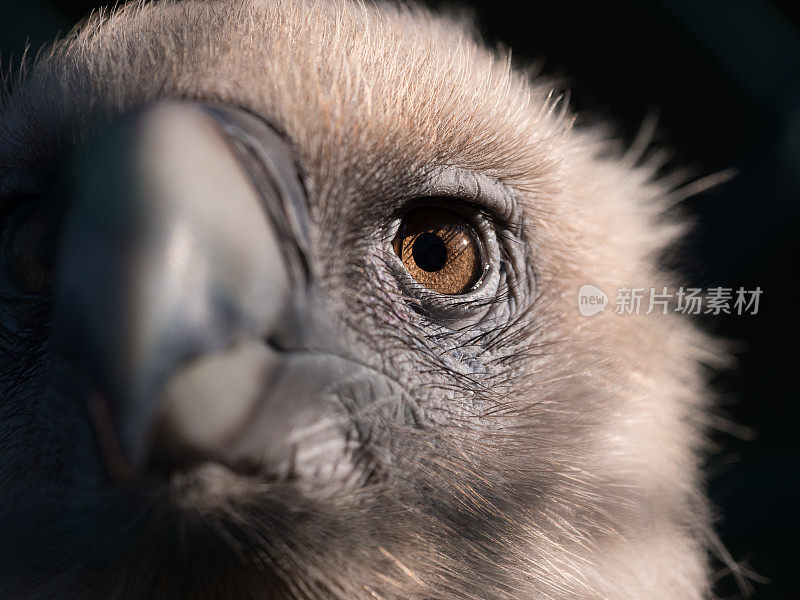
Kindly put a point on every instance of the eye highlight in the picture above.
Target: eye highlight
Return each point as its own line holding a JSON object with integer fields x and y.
{"x": 440, "y": 249}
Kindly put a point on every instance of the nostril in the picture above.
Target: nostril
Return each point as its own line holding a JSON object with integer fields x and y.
{"x": 275, "y": 343}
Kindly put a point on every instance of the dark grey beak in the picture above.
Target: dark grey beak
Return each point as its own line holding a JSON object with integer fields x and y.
{"x": 184, "y": 253}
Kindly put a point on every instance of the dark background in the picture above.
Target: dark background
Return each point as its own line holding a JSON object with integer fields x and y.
{"x": 723, "y": 78}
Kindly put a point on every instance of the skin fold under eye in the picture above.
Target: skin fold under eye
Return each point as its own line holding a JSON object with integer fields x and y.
{"x": 440, "y": 249}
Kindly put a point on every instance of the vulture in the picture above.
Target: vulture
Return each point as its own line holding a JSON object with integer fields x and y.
{"x": 289, "y": 295}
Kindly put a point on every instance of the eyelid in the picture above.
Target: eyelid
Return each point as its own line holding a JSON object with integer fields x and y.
{"x": 474, "y": 187}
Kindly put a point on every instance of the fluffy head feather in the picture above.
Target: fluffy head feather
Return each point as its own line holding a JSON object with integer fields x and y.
{"x": 565, "y": 465}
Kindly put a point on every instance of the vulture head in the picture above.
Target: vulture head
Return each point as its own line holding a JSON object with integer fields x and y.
{"x": 289, "y": 311}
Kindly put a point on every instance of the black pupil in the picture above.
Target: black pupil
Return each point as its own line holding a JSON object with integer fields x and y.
{"x": 429, "y": 252}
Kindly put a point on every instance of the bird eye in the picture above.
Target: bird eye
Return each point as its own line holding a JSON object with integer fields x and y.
{"x": 440, "y": 249}
{"x": 29, "y": 250}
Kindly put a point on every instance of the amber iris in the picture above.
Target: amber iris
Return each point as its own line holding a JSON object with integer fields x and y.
{"x": 440, "y": 249}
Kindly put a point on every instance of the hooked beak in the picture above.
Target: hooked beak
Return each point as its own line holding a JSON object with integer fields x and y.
{"x": 184, "y": 250}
